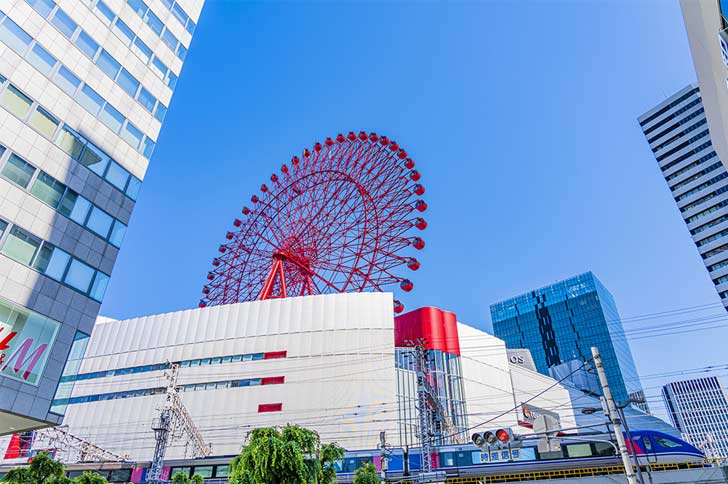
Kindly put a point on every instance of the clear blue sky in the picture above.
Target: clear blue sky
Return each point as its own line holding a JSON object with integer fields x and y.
{"x": 520, "y": 115}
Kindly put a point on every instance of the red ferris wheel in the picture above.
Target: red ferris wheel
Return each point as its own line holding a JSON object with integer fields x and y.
{"x": 338, "y": 219}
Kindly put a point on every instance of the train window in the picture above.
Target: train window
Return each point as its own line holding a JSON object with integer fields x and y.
{"x": 204, "y": 471}
{"x": 182, "y": 470}
{"x": 120, "y": 475}
{"x": 524, "y": 453}
{"x": 603, "y": 449}
{"x": 648, "y": 444}
{"x": 665, "y": 442}
{"x": 477, "y": 457}
{"x": 222, "y": 471}
{"x": 74, "y": 474}
{"x": 447, "y": 459}
{"x": 578, "y": 450}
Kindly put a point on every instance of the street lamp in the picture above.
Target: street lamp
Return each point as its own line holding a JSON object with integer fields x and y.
{"x": 623, "y": 419}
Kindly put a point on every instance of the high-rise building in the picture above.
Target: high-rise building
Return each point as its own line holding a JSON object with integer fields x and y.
{"x": 677, "y": 132}
{"x": 84, "y": 89}
{"x": 699, "y": 409}
{"x": 560, "y": 323}
{"x": 707, "y": 29}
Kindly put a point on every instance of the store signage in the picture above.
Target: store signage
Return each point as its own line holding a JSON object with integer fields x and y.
{"x": 529, "y": 413}
{"x": 26, "y": 339}
{"x": 521, "y": 357}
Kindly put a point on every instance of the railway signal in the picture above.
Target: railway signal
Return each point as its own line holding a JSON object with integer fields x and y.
{"x": 502, "y": 438}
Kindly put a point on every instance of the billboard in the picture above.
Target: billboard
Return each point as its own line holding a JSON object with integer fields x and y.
{"x": 529, "y": 413}
{"x": 26, "y": 339}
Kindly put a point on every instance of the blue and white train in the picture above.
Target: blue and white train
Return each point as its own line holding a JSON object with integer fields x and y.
{"x": 577, "y": 452}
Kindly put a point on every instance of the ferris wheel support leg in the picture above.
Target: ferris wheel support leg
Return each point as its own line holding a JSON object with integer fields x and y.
{"x": 275, "y": 272}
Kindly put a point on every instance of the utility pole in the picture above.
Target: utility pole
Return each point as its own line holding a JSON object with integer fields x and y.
{"x": 174, "y": 421}
{"x": 622, "y": 416}
{"x": 614, "y": 417}
{"x": 384, "y": 453}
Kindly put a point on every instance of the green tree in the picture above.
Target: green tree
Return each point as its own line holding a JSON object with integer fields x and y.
{"x": 90, "y": 478}
{"x": 292, "y": 455}
{"x": 19, "y": 475}
{"x": 180, "y": 478}
{"x": 42, "y": 470}
{"x": 366, "y": 474}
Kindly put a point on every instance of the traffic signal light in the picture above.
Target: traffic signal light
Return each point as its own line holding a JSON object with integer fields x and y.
{"x": 496, "y": 439}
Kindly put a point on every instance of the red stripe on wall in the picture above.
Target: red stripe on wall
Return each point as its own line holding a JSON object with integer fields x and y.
{"x": 13, "y": 450}
{"x": 273, "y": 380}
{"x": 272, "y": 355}
{"x": 270, "y": 407}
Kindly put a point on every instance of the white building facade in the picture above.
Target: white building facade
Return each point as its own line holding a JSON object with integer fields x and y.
{"x": 699, "y": 409}
{"x": 84, "y": 89}
{"x": 677, "y": 131}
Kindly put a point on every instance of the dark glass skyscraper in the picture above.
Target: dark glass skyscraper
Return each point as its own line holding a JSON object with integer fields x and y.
{"x": 562, "y": 321}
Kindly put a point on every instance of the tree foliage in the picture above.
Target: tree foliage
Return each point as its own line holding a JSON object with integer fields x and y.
{"x": 366, "y": 474}
{"x": 291, "y": 455}
{"x": 44, "y": 470}
{"x": 181, "y": 478}
{"x": 90, "y": 478}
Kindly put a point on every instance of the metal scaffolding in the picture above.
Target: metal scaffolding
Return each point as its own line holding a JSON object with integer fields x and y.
{"x": 174, "y": 422}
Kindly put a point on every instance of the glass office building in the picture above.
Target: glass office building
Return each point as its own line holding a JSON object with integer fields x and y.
{"x": 84, "y": 90}
{"x": 699, "y": 410}
{"x": 561, "y": 322}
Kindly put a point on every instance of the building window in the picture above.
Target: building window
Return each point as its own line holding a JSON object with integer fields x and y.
{"x": 108, "y": 64}
{"x": 57, "y": 264}
{"x": 117, "y": 234}
{"x": 123, "y": 31}
{"x": 47, "y": 189}
{"x": 64, "y": 23}
{"x": 141, "y": 49}
{"x": 18, "y": 171}
{"x": 41, "y": 60}
{"x": 14, "y": 37}
{"x": 117, "y": 176}
{"x": 43, "y": 122}
{"x": 98, "y": 288}
{"x": 112, "y": 118}
{"x": 99, "y": 221}
{"x": 16, "y": 102}
{"x": 132, "y": 135}
{"x": 147, "y": 100}
{"x": 79, "y": 275}
{"x": 43, "y": 7}
{"x": 95, "y": 159}
{"x": 21, "y": 246}
{"x": 86, "y": 44}
{"x": 67, "y": 81}
{"x": 128, "y": 83}
{"x": 90, "y": 100}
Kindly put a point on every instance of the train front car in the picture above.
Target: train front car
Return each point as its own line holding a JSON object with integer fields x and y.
{"x": 652, "y": 446}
